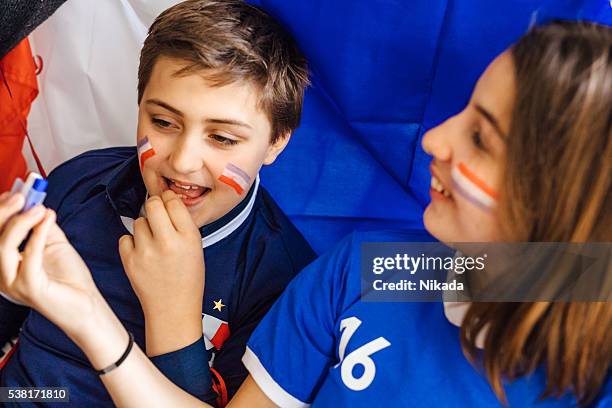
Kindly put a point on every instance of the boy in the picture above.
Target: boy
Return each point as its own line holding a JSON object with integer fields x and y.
{"x": 220, "y": 91}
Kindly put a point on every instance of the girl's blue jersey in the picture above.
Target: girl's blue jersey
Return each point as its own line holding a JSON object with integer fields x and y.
{"x": 321, "y": 345}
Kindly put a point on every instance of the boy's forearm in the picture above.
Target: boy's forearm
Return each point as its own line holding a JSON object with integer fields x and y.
{"x": 188, "y": 369}
{"x": 168, "y": 331}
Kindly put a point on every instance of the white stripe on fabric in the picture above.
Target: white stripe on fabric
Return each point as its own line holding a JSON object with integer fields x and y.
{"x": 233, "y": 225}
{"x": 208, "y": 344}
{"x": 267, "y": 384}
{"x": 222, "y": 232}
{"x": 210, "y": 326}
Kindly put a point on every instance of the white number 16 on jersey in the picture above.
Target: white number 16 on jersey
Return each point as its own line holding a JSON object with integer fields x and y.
{"x": 348, "y": 327}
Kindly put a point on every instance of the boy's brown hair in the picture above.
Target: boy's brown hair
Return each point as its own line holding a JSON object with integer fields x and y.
{"x": 233, "y": 41}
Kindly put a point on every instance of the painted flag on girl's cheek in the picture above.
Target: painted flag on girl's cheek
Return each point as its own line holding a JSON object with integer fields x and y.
{"x": 145, "y": 151}
{"x": 235, "y": 177}
{"x": 473, "y": 188}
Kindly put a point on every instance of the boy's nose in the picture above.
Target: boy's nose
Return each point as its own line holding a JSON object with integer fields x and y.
{"x": 186, "y": 156}
{"x": 437, "y": 143}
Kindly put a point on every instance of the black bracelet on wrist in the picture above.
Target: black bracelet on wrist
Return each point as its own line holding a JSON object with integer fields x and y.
{"x": 121, "y": 359}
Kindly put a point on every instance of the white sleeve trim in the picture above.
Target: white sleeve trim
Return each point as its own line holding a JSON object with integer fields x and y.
{"x": 267, "y": 384}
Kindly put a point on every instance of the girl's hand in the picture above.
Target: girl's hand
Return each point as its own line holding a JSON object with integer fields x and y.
{"x": 49, "y": 275}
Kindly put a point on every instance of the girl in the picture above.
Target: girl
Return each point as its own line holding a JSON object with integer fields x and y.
{"x": 535, "y": 137}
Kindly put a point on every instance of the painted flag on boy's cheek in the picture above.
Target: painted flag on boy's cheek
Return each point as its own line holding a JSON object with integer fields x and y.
{"x": 145, "y": 151}
{"x": 473, "y": 188}
{"x": 235, "y": 177}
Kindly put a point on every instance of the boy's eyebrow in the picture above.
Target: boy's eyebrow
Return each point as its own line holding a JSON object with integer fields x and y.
{"x": 213, "y": 121}
{"x": 229, "y": 122}
{"x": 491, "y": 119}
{"x": 164, "y": 105}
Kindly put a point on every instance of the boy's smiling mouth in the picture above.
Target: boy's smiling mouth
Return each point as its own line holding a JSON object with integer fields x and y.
{"x": 191, "y": 194}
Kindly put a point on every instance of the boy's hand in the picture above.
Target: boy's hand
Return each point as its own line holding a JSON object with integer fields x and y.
{"x": 164, "y": 262}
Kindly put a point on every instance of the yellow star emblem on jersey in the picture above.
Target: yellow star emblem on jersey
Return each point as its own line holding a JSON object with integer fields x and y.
{"x": 218, "y": 304}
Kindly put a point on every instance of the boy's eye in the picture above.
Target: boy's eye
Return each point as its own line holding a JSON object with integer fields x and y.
{"x": 223, "y": 140}
{"x": 162, "y": 123}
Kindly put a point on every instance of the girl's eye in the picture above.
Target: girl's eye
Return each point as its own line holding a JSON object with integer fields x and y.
{"x": 223, "y": 140}
{"x": 164, "y": 124}
{"x": 477, "y": 140}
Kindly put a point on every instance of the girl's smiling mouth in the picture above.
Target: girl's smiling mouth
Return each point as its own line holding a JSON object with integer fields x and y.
{"x": 438, "y": 189}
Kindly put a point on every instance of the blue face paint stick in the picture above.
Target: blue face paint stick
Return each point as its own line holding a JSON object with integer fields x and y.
{"x": 33, "y": 189}
{"x": 36, "y": 195}
{"x": 27, "y": 186}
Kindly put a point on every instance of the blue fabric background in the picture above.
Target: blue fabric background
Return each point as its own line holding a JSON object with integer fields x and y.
{"x": 383, "y": 72}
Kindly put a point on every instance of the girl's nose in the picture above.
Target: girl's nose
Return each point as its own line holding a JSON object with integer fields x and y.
{"x": 436, "y": 142}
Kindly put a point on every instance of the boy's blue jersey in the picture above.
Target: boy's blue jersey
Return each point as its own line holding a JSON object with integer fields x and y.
{"x": 321, "y": 345}
{"x": 251, "y": 254}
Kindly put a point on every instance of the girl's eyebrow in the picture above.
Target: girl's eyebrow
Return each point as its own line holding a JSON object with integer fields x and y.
{"x": 491, "y": 119}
